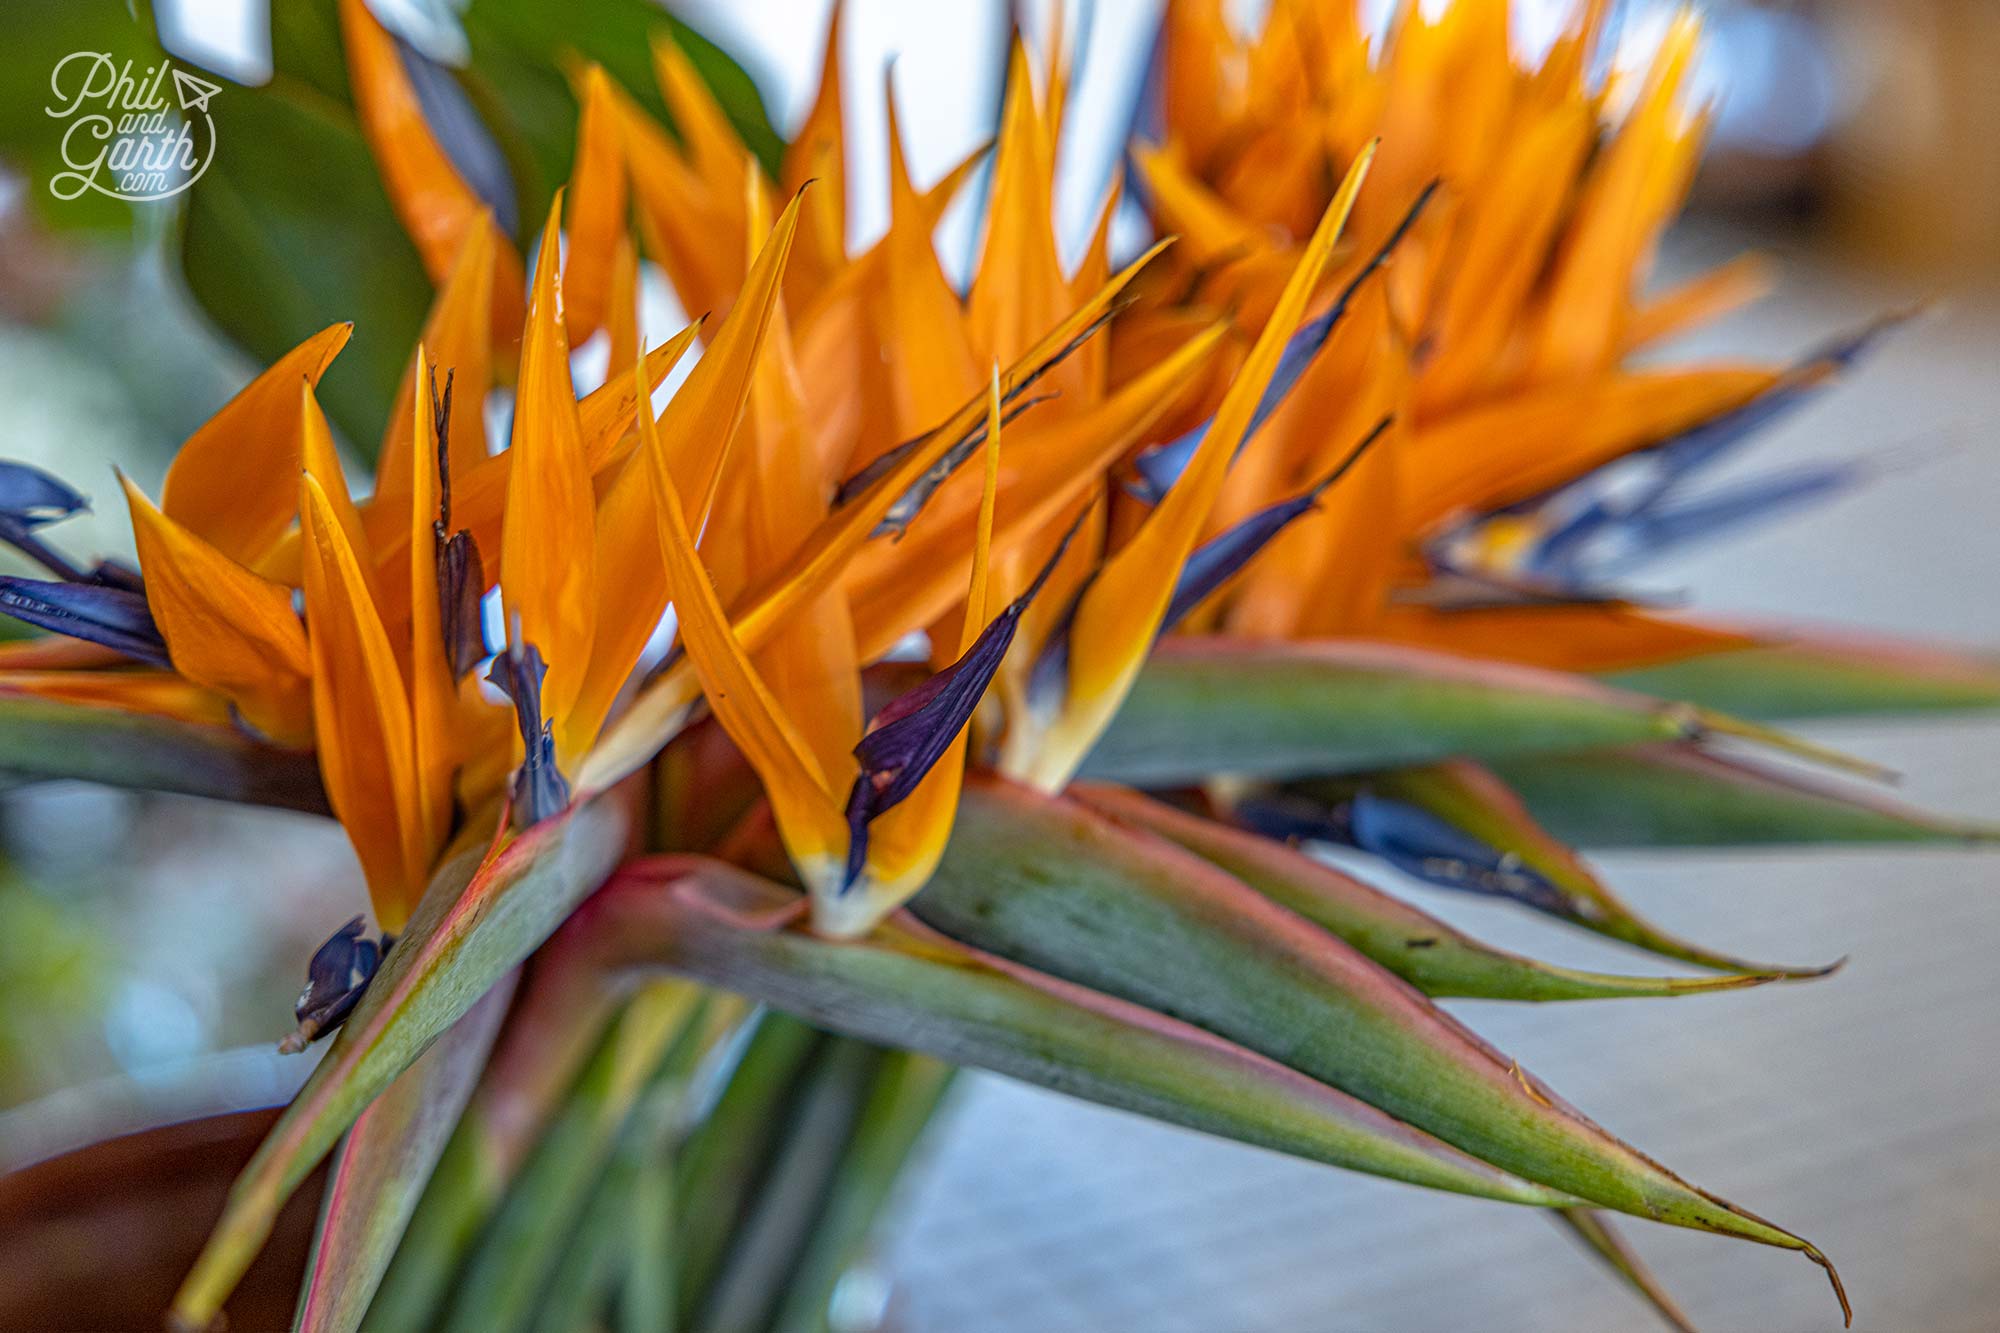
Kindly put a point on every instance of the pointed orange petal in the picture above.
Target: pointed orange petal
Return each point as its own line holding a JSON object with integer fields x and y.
{"x": 906, "y": 841}
{"x": 226, "y": 628}
{"x": 433, "y": 693}
{"x": 1526, "y": 443}
{"x": 621, "y": 317}
{"x": 435, "y": 205}
{"x": 823, "y": 556}
{"x": 704, "y": 128}
{"x": 811, "y": 662}
{"x": 320, "y": 456}
{"x": 1120, "y": 613}
{"x": 456, "y": 333}
{"x": 807, "y": 811}
{"x": 1708, "y": 296}
{"x": 158, "y": 693}
{"x": 547, "y": 537}
{"x": 680, "y": 215}
{"x": 898, "y": 587}
{"x": 701, "y": 421}
{"x": 608, "y": 412}
{"x": 925, "y": 349}
{"x": 1019, "y": 287}
{"x": 361, "y": 715}
{"x": 1633, "y": 186}
{"x": 596, "y": 210}
{"x": 817, "y": 153}
{"x": 235, "y": 482}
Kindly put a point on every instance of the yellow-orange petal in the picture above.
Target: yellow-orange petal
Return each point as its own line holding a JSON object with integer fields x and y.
{"x": 361, "y": 715}
{"x": 823, "y": 557}
{"x": 436, "y": 206}
{"x": 456, "y": 334}
{"x": 906, "y": 841}
{"x": 1019, "y": 286}
{"x": 234, "y": 483}
{"x": 1119, "y": 614}
{"x": 320, "y": 456}
{"x": 700, "y": 423}
{"x": 155, "y": 693}
{"x": 807, "y": 811}
{"x": 597, "y": 201}
{"x": 434, "y": 750}
{"x": 546, "y": 566}
{"x": 226, "y": 628}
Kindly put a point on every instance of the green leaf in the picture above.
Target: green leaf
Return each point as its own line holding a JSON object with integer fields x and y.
{"x": 907, "y": 985}
{"x": 523, "y": 1244}
{"x": 1419, "y": 948}
{"x": 476, "y": 924}
{"x": 1204, "y": 706}
{"x": 822, "y": 1111}
{"x": 715, "y": 1174}
{"x": 904, "y": 1094}
{"x": 40, "y": 34}
{"x": 44, "y": 739}
{"x": 383, "y": 1165}
{"x": 616, "y": 1235}
{"x": 1682, "y": 796}
{"x": 516, "y": 77}
{"x": 554, "y": 1028}
{"x": 1474, "y": 801}
{"x": 1056, "y": 888}
{"x": 1595, "y": 1232}
{"x": 289, "y": 230}
{"x": 1825, "y": 676}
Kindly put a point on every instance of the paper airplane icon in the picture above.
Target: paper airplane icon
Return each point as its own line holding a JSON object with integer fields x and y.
{"x": 194, "y": 93}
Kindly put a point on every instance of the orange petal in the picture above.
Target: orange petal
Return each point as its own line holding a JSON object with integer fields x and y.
{"x": 361, "y": 715}
{"x": 1527, "y": 443}
{"x": 906, "y": 841}
{"x": 435, "y": 205}
{"x": 235, "y": 482}
{"x": 701, "y": 421}
{"x": 621, "y": 318}
{"x": 609, "y": 411}
{"x": 226, "y": 628}
{"x": 596, "y": 211}
{"x": 680, "y": 215}
{"x": 1634, "y": 185}
{"x": 817, "y": 153}
{"x": 1019, "y": 286}
{"x": 456, "y": 333}
{"x": 1120, "y": 613}
{"x": 320, "y": 456}
{"x": 923, "y": 328}
{"x": 158, "y": 693}
{"x": 1586, "y": 638}
{"x": 806, "y": 809}
{"x": 1052, "y": 465}
{"x": 823, "y": 556}
{"x": 546, "y": 576}
{"x": 1708, "y": 296}
{"x": 433, "y": 693}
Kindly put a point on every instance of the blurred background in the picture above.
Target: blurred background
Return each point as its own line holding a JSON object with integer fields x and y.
{"x": 144, "y": 937}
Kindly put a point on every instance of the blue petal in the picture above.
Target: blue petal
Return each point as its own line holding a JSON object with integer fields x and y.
{"x": 1216, "y": 560}
{"x": 113, "y": 617}
{"x": 539, "y": 789}
{"x": 1160, "y": 468}
{"x": 913, "y": 731}
{"x": 31, "y": 497}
